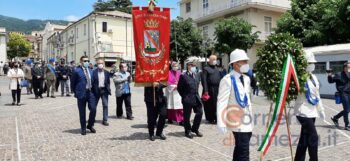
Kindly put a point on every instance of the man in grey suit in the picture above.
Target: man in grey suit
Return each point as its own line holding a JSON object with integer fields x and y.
{"x": 122, "y": 81}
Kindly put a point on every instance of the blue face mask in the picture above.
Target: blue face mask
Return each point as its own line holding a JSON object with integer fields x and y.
{"x": 86, "y": 64}
{"x": 193, "y": 69}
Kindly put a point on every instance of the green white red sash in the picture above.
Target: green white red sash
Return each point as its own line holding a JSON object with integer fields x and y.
{"x": 288, "y": 72}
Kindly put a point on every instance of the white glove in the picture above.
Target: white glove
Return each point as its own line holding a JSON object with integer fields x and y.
{"x": 323, "y": 115}
{"x": 223, "y": 130}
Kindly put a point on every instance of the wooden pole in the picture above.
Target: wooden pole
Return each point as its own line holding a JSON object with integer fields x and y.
{"x": 289, "y": 135}
{"x": 267, "y": 125}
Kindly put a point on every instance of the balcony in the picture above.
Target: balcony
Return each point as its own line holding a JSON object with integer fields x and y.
{"x": 222, "y": 9}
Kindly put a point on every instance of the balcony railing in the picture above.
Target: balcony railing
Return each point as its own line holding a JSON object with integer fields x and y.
{"x": 214, "y": 8}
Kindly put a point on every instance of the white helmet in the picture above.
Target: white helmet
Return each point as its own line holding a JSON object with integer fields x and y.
{"x": 238, "y": 55}
{"x": 310, "y": 57}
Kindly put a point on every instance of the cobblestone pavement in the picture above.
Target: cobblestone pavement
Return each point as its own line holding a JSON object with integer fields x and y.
{"x": 48, "y": 129}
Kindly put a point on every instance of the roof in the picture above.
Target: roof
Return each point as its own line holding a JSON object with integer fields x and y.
{"x": 59, "y": 27}
{"x": 330, "y": 49}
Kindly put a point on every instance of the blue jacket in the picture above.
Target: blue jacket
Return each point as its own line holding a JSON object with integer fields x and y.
{"x": 79, "y": 81}
{"x": 95, "y": 82}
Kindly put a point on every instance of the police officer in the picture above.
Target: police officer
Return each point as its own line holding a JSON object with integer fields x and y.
{"x": 188, "y": 89}
{"x": 234, "y": 99}
{"x": 308, "y": 107}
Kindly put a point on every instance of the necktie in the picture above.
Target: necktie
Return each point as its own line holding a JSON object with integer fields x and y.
{"x": 242, "y": 80}
{"x": 312, "y": 80}
{"x": 87, "y": 78}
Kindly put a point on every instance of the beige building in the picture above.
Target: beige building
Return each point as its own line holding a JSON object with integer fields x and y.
{"x": 261, "y": 13}
{"x": 49, "y": 30}
{"x": 106, "y": 35}
{"x": 3, "y": 44}
{"x": 36, "y": 42}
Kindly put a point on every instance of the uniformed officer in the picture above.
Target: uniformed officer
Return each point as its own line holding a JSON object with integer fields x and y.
{"x": 234, "y": 111}
{"x": 308, "y": 107}
{"x": 188, "y": 90}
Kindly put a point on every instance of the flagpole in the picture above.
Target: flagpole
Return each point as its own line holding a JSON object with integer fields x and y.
{"x": 289, "y": 135}
{"x": 267, "y": 125}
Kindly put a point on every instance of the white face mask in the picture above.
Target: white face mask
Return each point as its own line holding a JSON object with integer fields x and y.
{"x": 125, "y": 69}
{"x": 310, "y": 68}
{"x": 175, "y": 68}
{"x": 349, "y": 70}
{"x": 244, "y": 68}
{"x": 100, "y": 66}
{"x": 215, "y": 62}
{"x": 193, "y": 69}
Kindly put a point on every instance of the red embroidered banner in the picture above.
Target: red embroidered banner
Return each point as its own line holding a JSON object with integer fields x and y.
{"x": 152, "y": 43}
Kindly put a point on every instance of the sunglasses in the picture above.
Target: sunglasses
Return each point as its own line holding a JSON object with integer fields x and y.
{"x": 86, "y": 61}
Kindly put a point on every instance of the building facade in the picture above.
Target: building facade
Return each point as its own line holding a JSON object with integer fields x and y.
{"x": 261, "y": 13}
{"x": 3, "y": 45}
{"x": 36, "y": 42}
{"x": 99, "y": 35}
{"x": 49, "y": 30}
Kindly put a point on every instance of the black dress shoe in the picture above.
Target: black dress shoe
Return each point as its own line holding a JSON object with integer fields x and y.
{"x": 170, "y": 121}
{"x": 105, "y": 123}
{"x": 151, "y": 138}
{"x": 119, "y": 117}
{"x": 162, "y": 136}
{"x": 130, "y": 117}
{"x": 335, "y": 121}
{"x": 48, "y": 96}
{"x": 53, "y": 97}
{"x": 181, "y": 123}
{"x": 41, "y": 96}
{"x": 13, "y": 103}
{"x": 92, "y": 130}
{"x": 189, "y": 135}
{"x": 68, "y": 95}
{"x": 199, "y": 134}
{"x": 36, "y": 97}
{"x": 83, "y": 132}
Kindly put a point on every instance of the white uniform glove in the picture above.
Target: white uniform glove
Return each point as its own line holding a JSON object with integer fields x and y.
{"x": 323, "y": 115}
{"x": 222, "y": 130}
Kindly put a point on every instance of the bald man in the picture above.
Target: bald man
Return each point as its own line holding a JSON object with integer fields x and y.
{"x": 210, "y": 81}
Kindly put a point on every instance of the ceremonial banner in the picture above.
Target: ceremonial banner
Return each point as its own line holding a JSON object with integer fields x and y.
{"x": 288, "y": 72}
{"x": 152, "y": 43}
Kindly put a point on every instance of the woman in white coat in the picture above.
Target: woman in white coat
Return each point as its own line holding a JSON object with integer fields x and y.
{"x": 307, "y": 108}
{"x": 16, "y": 75}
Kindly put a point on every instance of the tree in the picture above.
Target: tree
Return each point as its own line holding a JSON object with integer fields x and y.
{"x": 270, "y": 63}
{"x": 233, "y": 33}
{"x": 315, "y": 22}
{"x": 185, "y": 39}
{"x": 112, "y": 5}
{"x": 18, "y": 46}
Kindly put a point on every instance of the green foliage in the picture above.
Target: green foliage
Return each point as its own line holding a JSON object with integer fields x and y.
{"x": 188, "y": 39}
{"x": 112, "y": 5}
{"x": 18, "y": 46}
{"x": 14, "y": 24}
{"x": 317, "y": 22}
{"x": 233, "y": 33}
{"x": 270, "y": 64}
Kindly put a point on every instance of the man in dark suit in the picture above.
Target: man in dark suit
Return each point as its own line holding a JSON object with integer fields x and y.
{"x": 82, "y": 87}
{"x": 101, "y": 88}
{"x": 188, "y": 89}
{"x": 156, "y": 109}
{"x": 38, "y": 79}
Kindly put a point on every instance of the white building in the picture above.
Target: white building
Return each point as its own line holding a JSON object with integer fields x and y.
{"x": 46, "y": 33}
{"x": 3, "y": 45}
{"x": 106, "y": 35}
{"x": 261, "y": 13}
{"x": 329, "y": 57}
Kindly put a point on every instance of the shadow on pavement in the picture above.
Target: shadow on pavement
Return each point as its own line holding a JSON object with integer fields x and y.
{"x": 73, "y": 131}
{"x": 134, "y": 136}
{"x": 179, "y": 134}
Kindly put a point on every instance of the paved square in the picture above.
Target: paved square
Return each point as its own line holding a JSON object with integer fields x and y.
{"x": 48, "y": 129}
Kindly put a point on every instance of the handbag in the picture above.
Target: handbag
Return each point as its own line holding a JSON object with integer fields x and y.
{"x": 337, "y": 96}
{"x": 24, "y": 83}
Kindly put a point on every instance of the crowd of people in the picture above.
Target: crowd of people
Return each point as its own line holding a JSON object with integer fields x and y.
{"x": 175, "y": 100}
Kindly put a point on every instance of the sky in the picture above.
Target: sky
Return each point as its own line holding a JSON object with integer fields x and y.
{"x": 70, "y": 10}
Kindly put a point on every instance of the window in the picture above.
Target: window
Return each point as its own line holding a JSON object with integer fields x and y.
{"x": 77, "y": 32}
{"x": 337, "y": 66}
{"x": 104, "y": 26}
{"x": 84, "y": 29}
{"x": 320, "y": 68}
{"x": 205, "y": 7}
{"x": 205, "y": 32}
{"x": 268, "y": 25}
{"x": 188, "y": 7}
